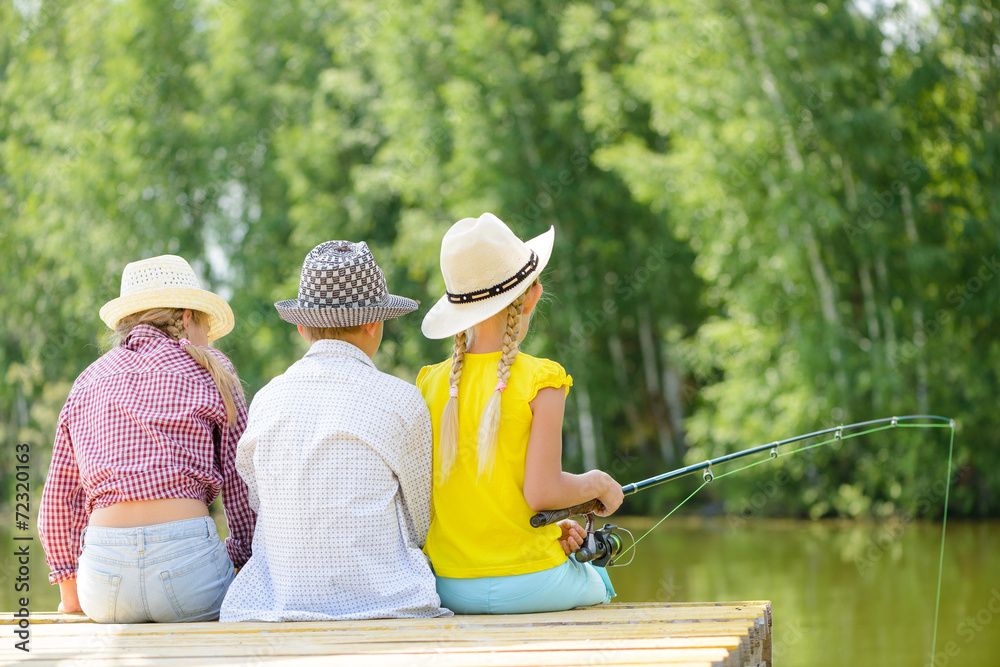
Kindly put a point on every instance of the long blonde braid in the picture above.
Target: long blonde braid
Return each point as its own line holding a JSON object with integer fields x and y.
{"x": 170, "y": 321}
{"x": 448, "y": 446}
{"x": 489, "y": 423}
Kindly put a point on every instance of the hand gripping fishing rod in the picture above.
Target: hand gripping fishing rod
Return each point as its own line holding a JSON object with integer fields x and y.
{"x": 601, "y": 546}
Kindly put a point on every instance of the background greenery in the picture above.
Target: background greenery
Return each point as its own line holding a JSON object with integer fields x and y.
{"x": 772, "y": 217}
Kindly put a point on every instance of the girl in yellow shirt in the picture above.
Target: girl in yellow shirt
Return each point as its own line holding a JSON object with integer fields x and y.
{"x": 497, "y": 420}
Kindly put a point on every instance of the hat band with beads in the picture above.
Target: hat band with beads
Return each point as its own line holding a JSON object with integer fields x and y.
{"x": 505, "y": 286}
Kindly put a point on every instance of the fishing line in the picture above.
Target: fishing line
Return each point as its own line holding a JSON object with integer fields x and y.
{"x": 839, "y": 436}
{"x": 944, "y": 524}
{"x": 703, "y": 484}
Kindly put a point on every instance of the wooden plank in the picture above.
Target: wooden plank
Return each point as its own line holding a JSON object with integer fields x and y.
{"x": 605, "y": 657}
{"x": 317, "y": 636}
{"x": 366, "y": 661}
{"x": 718, "y": 634}
{"x": 629, "y": 613}
{"x": 230, "y": 646}
{"x": 220, "y": 629}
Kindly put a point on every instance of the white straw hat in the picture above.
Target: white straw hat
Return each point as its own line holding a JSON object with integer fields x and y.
{"x": 167, "y": 281}
{"x": 485, "y": 268}
{"x": 342, "y": 286}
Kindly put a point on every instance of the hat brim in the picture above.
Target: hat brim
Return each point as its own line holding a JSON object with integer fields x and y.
{"x": 219, "y": 313}
{"x": 298, "y": 312}
{"x": 445, "y": 319}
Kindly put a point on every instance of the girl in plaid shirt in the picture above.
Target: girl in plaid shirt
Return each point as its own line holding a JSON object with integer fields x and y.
{"x": 145, "y": 442}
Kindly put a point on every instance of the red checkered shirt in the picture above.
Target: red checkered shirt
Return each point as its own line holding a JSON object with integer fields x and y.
{"x": 143, "y": 422}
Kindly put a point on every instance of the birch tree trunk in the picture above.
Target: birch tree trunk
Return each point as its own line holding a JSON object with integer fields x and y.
{"x": 585, "y": 421}
{"x": 906, "y": 203}
{"x": 824, "y": 284}
{"x": 882, "y": 275}
{"x": 617, "y": 351}
{"x": 651, "y": 372}
{"x": 673, "y": 390}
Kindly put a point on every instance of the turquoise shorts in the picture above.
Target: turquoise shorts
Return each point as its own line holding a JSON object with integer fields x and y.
{"x": 559, "y": 588}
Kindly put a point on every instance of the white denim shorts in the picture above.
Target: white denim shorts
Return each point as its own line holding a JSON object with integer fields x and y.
{"x": 170, "y": 572}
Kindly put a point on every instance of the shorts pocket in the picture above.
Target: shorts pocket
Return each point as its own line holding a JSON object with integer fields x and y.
{"x": 97, "y": 590}
{"x": 195, "y": 587}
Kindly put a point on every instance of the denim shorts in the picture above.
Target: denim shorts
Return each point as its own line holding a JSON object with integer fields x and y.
{"x": 559, "y": 588}
{"x": 166, "y": 573}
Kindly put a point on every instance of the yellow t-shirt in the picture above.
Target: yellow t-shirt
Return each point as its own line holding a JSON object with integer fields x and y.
{"x": 483, "y": 530}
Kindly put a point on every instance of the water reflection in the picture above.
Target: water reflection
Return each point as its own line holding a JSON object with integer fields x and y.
{"x": 843, "y": 593}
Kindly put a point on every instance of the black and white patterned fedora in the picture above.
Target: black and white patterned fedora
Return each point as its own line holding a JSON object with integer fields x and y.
{"x": 342, "y": 286}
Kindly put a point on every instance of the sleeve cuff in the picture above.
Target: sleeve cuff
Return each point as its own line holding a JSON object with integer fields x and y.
{"x": 59, "y": 576}
{"x": 237, "y": 553}
{"x": 551, "y": 381}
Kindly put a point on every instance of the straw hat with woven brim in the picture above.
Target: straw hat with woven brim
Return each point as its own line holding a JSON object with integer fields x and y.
{"x": 342, "y": 286}
{"x": 167, "y": 281}
{"x": 485, "y": 268}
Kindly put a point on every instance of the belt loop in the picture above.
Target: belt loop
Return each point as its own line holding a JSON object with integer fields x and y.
{"x": 139, "y": 541}
{"x": 83, "y": 533}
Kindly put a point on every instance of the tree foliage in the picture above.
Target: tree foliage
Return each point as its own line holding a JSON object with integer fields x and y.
{"x": 771, "y": 217}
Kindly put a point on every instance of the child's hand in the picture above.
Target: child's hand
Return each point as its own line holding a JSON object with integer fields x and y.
{"x": 70, "y": 602}
{"x": 611, "y": 496}
{"x": 572, "y": 536}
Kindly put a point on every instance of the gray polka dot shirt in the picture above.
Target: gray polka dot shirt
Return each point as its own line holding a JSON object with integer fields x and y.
{"x": 337, "y": 461}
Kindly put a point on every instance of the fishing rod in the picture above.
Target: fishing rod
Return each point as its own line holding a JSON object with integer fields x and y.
{"x": 603, "y": 545}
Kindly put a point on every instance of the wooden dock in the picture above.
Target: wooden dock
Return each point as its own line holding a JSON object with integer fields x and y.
{"x": 736, "y": 634}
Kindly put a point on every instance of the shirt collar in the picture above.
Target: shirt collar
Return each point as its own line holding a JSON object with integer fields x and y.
{"x": 144, "y": 331}
{"x": 140, "y": 331}
{"x": 330, "y": 347}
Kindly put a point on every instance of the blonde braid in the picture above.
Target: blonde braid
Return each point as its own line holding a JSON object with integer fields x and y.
{"x": 227, "y": 383}
{"x": 170, "y": 321}
{"x": 489, "y": 423}
{"x": 448, "y": 446}
{"x": 175, "y": 325}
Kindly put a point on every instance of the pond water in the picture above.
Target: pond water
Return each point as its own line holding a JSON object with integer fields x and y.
{"x": 842, "y": 593}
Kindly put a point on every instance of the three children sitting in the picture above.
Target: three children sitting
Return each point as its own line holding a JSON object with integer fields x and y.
{"x": 372, "y": 498}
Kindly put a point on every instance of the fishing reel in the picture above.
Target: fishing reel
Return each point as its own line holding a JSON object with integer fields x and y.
{"x": 601, "y": 547}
